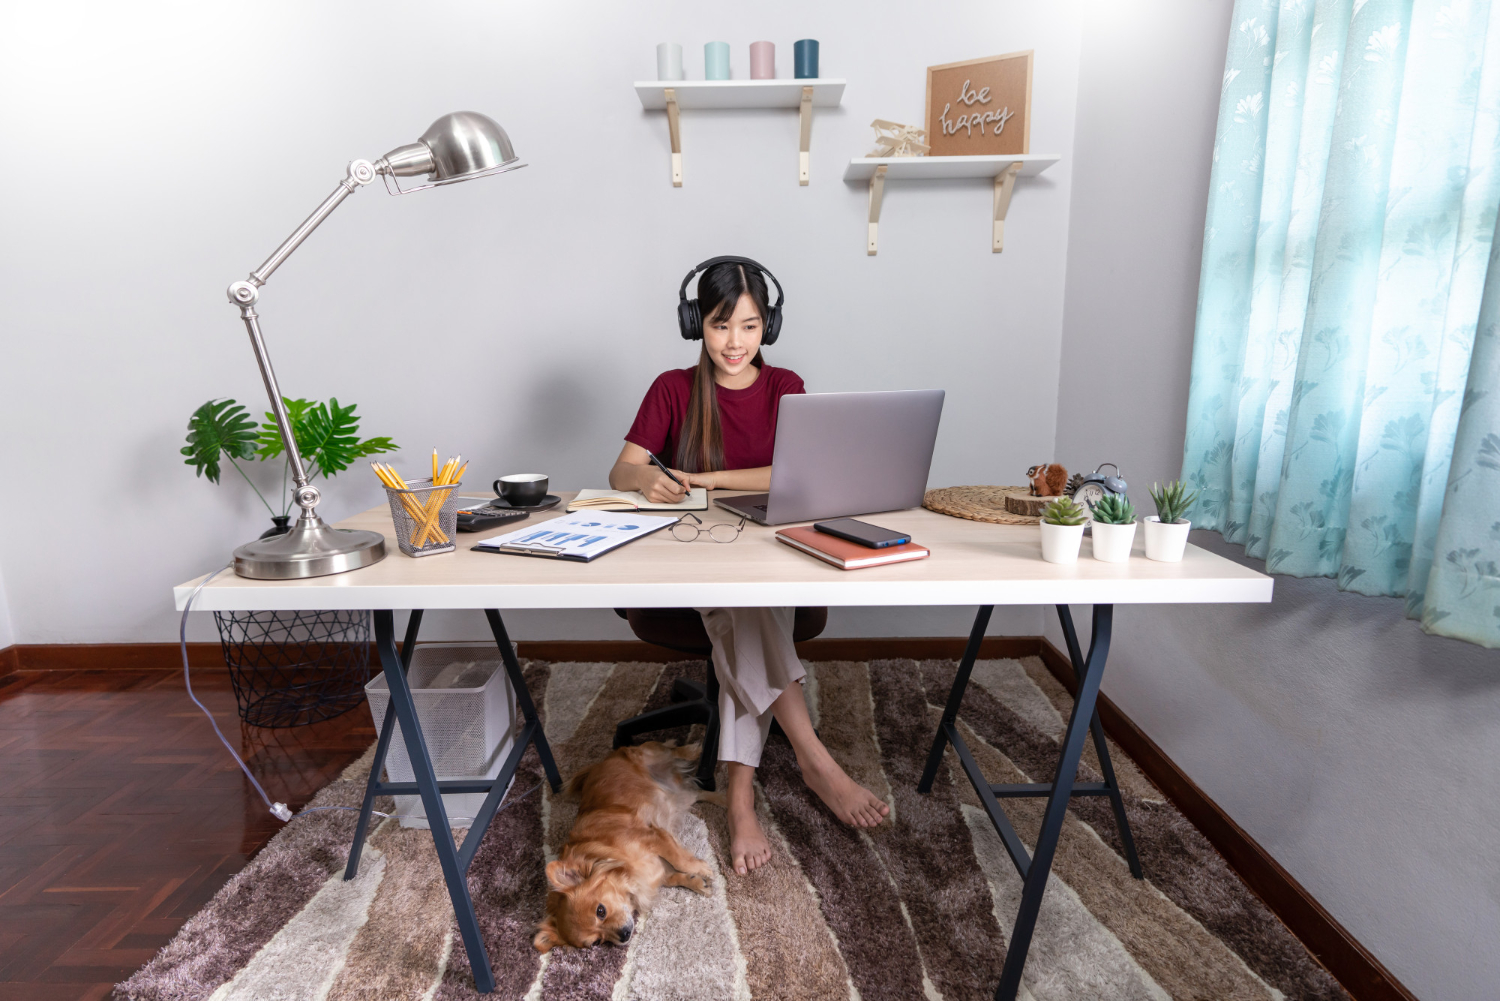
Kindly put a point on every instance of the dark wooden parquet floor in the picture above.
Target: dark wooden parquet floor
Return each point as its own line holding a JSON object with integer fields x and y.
{"x": 121, "y": 815}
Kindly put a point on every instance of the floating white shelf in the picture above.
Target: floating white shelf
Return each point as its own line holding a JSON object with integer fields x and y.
{"x": 1002, "y": 169}
{"x": 737, "y": 95}
{"x": 732, "y": 94}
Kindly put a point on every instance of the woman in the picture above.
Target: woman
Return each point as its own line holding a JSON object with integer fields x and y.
{"x": 715, "y": 424}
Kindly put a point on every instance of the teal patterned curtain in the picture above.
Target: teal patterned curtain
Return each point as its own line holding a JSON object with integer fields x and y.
{"x": 1344, "y": 416}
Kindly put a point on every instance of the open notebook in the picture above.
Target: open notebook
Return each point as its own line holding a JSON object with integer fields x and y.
{"x": 634, "y": 500}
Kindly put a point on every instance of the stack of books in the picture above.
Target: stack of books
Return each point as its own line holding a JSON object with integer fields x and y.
{"x": 848, "y": 555}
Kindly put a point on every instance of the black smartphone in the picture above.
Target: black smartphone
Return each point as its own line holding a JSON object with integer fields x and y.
{"x": 862, "y": 532}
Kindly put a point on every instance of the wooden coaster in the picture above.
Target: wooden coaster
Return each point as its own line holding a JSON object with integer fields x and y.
{"x": 1027, "y": 505}
{"x": 988, "y": 504}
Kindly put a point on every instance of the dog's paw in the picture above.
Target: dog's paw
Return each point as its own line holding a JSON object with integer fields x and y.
{"x": 697, "y": 882}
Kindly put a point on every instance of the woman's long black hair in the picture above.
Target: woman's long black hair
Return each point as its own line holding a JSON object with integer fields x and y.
{"x": 701, "y": 449}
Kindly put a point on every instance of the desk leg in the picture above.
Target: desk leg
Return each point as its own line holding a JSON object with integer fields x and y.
{"x": 382, "y": 746}
{"x": 523, "y": 697}
{"x": 1057, "y": 804}
{"x": 955, "y": 696}
{"x": 432, "y": 800}
{"x": 1101, "y": 747}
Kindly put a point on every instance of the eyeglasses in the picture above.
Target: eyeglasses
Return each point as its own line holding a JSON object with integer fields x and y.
{"x": 720, "y": 531}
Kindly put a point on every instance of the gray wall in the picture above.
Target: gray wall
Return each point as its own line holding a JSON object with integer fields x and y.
{"x": 518, "y": 319}
{"x": 1359, "y": 751}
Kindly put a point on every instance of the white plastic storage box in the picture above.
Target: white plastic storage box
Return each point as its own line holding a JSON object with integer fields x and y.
{"x": 466, "y": 706}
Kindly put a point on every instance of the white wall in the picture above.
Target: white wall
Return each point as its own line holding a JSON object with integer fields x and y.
{"x": 7, "y": 631}
{"x": 518, "y": 320}
{"x": 1359, "y": 751}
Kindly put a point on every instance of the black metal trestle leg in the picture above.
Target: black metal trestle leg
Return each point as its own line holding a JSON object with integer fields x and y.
{"x": 1101, "y": 745}
{"x": 382, "y": 746}
{"x": 453, "y": 860}
{"x": 523, "y": 697}
{"x": 1036, "y": 867}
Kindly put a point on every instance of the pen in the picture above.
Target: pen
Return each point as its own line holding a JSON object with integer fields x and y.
{"x": 657, "y": 462}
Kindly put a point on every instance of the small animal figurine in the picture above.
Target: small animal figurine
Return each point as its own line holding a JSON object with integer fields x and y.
{"x": 1047, "y": 480}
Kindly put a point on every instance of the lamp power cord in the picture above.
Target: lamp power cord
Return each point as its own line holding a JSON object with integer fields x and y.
{"x": 280, "y": 811}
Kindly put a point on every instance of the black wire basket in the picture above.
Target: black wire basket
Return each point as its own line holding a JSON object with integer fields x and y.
{"x": 295, "y": 668}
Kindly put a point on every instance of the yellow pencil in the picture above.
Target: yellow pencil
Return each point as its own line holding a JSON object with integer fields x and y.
{"x": 392, "y": 479}
{"x": 425, "y": 520}
{"x": 435, "y": 501}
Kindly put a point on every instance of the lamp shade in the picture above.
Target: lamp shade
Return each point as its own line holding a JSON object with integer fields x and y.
{"x": 456, "y": 147}
{"x": 465, "y": 144}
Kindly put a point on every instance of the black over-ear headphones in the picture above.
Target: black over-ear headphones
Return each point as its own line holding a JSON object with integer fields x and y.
{"x": 690, "y": 317}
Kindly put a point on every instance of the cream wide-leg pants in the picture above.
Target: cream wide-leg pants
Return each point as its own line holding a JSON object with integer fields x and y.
{"x": 755, "y": 662}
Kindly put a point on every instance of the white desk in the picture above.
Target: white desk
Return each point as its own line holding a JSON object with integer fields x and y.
{"x": 971, "y": 564}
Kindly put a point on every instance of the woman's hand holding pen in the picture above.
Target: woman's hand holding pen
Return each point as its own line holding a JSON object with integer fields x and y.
{"x": 660, "y": 488}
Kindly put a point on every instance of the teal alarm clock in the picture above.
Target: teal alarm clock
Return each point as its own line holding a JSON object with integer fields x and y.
{"x": 1090, "y": 489}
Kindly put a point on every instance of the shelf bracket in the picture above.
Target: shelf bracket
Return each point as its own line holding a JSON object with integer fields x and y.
{"x": 806, "y": 114}
{"x": 1005, "y": 183}
{"x": 675, "y": 127}
{"x": 877, "y": 192}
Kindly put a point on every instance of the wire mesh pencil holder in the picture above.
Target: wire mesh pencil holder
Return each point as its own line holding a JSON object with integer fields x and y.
{"x": 295, "y": 668}
{"x": 426, "y": 517}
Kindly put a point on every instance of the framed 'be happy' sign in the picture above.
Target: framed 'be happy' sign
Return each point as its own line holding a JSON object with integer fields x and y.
{"x": 980, "y": 106}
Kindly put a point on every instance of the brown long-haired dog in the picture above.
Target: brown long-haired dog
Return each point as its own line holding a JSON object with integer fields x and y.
{"x": 622, "y": 850}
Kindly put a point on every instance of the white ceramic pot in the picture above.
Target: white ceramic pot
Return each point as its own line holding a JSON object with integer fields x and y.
{"x": 1112, "y": 542}
{"x": 1060, "y": 542}
{"x": 1164, "y": 542}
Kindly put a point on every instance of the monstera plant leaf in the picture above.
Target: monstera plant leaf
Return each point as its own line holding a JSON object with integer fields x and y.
{"x": 327, "y": 434}
{"x": 219, "y": 427}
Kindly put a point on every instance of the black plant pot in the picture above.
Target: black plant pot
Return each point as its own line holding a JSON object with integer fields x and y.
{"x": 281, "y": 526}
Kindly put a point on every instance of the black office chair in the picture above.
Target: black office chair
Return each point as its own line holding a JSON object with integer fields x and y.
{"x": 681, "y": 629}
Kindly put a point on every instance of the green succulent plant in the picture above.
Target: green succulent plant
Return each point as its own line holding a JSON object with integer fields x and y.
{"x": 1172, "y": 501}
{"x": 1064, "y": 511}
{"x": 1113, "y": 509}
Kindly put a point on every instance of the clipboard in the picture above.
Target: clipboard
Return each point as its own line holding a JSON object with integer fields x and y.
{"x": 577, "y": 538}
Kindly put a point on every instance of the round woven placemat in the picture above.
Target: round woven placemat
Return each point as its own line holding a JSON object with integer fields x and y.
{"x": 978, "y": 504}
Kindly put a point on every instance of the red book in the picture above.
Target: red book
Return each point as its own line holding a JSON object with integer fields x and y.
{"x": 848, "y": 555}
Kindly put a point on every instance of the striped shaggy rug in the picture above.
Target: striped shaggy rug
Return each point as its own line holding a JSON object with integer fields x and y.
{"x": 918, "y": 908}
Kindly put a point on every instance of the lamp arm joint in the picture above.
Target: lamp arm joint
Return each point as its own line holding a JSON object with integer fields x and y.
{"x": 359, "y": 173}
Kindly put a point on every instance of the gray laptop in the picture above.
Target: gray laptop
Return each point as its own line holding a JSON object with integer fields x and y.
{"x": 844, "y": 454}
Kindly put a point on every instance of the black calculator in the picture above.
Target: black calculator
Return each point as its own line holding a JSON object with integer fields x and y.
{"x": 482, "y": 517}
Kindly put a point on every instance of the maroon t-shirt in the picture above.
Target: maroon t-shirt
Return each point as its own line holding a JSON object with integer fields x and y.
{"x": 747, "y": 416}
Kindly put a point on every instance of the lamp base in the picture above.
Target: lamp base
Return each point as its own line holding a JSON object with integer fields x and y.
{"x": 310, "y": 549}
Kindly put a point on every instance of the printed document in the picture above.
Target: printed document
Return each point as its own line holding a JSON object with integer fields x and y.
{"x": 581, "y": 536}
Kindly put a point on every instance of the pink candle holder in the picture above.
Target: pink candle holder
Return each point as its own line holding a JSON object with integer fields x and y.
{"x": 762, "y": 60}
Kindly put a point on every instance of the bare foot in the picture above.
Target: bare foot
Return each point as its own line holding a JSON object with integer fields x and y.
{"x": 850, "y": 802}
{"x": 748, "y": 847}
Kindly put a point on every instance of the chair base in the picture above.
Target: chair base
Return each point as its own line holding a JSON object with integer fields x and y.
{"x": 692, "y": 702}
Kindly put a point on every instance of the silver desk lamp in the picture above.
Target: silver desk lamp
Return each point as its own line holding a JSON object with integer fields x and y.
{"x": 454, "y": 148}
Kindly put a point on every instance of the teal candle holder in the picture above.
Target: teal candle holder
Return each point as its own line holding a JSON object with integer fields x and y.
{"x": 716, "y": 61}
